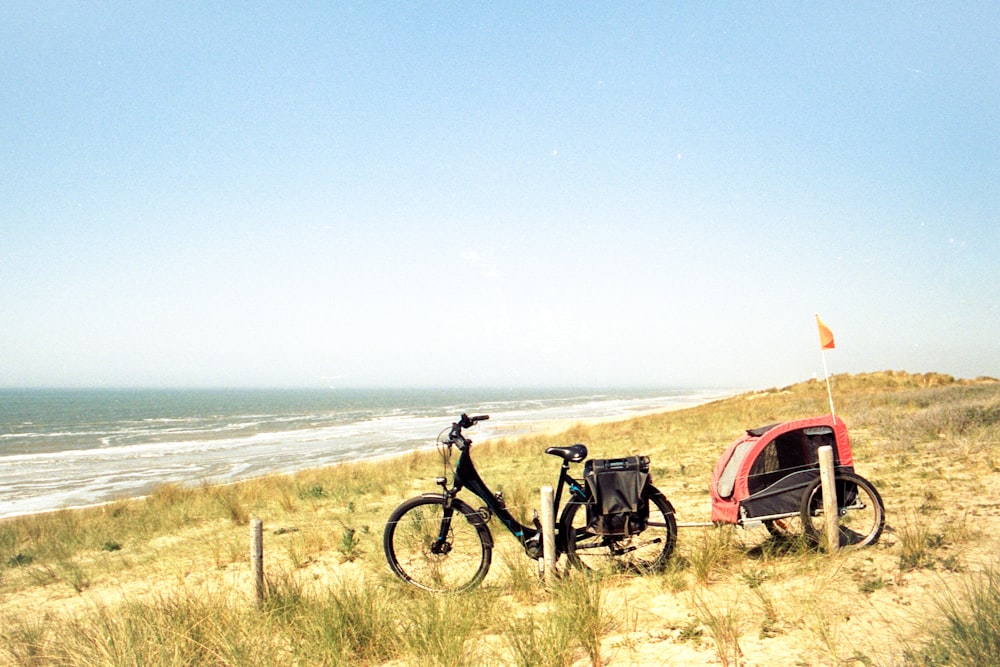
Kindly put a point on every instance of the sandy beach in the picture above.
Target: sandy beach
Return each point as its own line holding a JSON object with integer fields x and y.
{"x": 777, "y": 603}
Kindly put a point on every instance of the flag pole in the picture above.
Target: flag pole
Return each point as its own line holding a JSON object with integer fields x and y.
{"x": 829, "y": 392}
{"x": 825, "y": 341}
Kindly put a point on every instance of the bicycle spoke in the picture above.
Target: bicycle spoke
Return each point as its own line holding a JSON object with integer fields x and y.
{"x": 417, "y": 554}
{"x": 647, "y": 551}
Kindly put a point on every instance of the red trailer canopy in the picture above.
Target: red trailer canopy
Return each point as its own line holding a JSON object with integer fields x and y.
{"x": 763, "y": 474}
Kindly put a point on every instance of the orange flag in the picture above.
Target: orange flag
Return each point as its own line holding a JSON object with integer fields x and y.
{"x": 825, "y": 335}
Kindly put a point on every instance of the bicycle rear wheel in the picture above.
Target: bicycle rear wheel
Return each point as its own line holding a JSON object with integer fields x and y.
{"x": 646, "y": 552}
{"x": 861, "y": 513}
{"x": 417, "y": 555}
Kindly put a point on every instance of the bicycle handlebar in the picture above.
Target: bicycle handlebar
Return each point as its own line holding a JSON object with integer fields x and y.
{"x": 465, "y": 421}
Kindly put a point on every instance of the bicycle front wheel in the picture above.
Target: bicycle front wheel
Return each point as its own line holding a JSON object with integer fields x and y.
{"x": 417, "y": 553}
{"x": 646, "y": 552}
{"x": 861, "y": 513}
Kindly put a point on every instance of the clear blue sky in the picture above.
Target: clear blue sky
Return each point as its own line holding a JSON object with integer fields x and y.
{"x": 312, "y": 194}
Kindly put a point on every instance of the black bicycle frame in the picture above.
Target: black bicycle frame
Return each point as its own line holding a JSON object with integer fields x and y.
{"x": 466, "y": 476}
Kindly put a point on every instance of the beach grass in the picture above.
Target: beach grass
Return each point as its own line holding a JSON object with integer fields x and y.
{"x": 164, "y": 580}
{"x": 966, "y": 630}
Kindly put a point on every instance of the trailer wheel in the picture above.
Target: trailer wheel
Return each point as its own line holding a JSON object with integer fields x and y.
{"x": 861, "y": 512}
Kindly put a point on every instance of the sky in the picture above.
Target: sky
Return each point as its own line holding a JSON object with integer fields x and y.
{"x": 312, "y": 194}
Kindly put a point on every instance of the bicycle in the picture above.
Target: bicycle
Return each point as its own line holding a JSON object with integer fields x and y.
{"x": 440, "y": 543}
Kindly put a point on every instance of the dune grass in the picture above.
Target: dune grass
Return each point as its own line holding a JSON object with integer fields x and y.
{"x": 966, "y": 632}
{"x": 163, "y": 580}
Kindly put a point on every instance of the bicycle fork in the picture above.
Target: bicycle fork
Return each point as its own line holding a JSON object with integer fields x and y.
{"x": 441, "y": 546}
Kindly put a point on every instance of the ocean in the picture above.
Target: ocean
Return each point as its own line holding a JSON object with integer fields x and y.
{"x": 71, "y": 448}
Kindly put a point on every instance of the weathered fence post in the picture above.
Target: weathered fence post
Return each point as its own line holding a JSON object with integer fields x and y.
{"x": 257, "y": 559}
{"x": 549, "y": 533}
{"x": 830, "y": 511}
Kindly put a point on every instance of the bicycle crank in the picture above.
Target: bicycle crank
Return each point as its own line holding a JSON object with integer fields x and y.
{"x": 628, "y": 550}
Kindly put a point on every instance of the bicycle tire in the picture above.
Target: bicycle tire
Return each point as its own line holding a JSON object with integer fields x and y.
{"x": 862, "y": 514}
{"x": 413, "y": 528}
{"x": 643, "y": 553}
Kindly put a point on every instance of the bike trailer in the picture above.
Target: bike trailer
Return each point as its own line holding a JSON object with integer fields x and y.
{"x": 764, "y": 473}
{"x": 618, "y": 487}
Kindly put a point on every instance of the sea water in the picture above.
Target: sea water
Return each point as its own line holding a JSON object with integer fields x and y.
{"x": 67, "y": 448}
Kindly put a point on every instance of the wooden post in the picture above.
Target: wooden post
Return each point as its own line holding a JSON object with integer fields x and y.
{"x": 257, "y": 559}
{"x": 830, "y": 510}
{"x": 549, "y": 533}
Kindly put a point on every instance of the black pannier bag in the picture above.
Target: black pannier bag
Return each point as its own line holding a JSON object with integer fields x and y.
{"x": 620, "y": 505}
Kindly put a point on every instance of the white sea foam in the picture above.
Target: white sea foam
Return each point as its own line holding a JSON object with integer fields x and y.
{"x": 127, "y": 457}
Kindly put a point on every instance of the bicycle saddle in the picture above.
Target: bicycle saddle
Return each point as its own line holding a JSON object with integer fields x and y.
{"x": 573, "y": 453}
